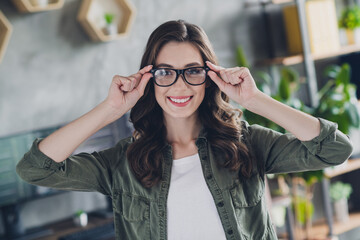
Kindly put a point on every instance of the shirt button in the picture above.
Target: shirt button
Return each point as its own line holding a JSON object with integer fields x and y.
{"x": 230, "y": 231}
{"x": 220, "y": 204}
{"x": 204, "y": 157}
{"x": 161, "y": 213}
{"x": 209, "y": 177}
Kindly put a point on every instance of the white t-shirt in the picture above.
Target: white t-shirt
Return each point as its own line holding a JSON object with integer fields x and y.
{"x": 192, "y": 213}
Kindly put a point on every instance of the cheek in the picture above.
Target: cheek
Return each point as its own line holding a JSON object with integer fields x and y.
{"x": 159, "y": 94}
{"x": 202, "y": 93}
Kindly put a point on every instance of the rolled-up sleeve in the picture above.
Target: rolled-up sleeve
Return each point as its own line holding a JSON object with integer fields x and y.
{"x": 81, "y": 172}
{"x": 283, "y": 153}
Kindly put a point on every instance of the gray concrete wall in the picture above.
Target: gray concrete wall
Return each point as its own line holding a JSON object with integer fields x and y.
{"x": 52, "y": 73}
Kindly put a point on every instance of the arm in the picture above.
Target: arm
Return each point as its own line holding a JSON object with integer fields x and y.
{"x": 48, "y": 162}
{"x": 283, "y": 153}
{"x": 239, "y": 85}
{"x": 123, "y": 94}
{"x": 317, "y": 142}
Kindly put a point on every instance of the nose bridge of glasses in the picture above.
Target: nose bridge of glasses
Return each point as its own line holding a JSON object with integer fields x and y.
{"x": 180, "y": 73}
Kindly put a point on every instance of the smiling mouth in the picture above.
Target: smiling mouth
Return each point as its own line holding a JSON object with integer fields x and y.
{"x": 180, "y": 99}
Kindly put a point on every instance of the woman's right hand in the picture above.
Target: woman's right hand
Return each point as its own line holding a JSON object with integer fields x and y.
{"x": 126, "y": 91}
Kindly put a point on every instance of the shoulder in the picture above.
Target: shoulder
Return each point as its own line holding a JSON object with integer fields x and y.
{"x": 250, "y": 129}
{"x": 118, "y": 150}
{"x": 257, "y": 133}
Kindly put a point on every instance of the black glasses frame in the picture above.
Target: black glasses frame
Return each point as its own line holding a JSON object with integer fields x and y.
{"x": 179, "y": 72}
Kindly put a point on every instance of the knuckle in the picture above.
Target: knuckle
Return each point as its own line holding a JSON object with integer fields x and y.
{"x": 245, "y": 69}
{"x": 132, "y": 78}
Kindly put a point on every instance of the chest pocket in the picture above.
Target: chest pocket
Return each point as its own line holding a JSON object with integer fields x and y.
{"x": 132, "y": 208}
{"x": 247, "y": 193}
{"x": 250, "y": 210}
{"x": 132, "y": 216}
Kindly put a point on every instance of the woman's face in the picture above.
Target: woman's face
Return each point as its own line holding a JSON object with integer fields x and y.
{"x": 179, "y": 55}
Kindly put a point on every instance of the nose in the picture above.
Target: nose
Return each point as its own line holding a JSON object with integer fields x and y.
{"x": 180, "y": 82}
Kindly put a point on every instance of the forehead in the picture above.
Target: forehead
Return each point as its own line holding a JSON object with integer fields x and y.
{"x": 178, "y": 54}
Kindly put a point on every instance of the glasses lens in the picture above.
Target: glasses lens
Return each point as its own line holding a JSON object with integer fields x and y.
{"x": 164, "y": 77}
{"x": 195, "y": 75}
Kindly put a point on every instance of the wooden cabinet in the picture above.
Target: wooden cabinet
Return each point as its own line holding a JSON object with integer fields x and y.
{"x": 30, "y": 6}
{"x": 91, "y": 17}
{"x": 5, "y": 33}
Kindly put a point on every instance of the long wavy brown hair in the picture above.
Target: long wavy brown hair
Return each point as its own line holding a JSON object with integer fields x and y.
{"x": 218, "y": 117}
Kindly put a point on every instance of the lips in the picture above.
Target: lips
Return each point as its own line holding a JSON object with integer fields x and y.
{"x": 180, "y": 101}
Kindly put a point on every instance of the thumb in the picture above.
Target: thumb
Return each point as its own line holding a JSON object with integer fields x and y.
{"x": 143, "y": 82}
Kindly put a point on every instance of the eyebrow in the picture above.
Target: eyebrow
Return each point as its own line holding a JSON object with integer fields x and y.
{"x": 164, "y": 65}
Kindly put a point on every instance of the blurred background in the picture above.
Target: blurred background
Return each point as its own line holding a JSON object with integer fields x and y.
{"x": 57, "y": 60}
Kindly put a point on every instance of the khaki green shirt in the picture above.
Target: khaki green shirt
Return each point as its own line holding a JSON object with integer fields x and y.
{"x": 141, "y": 213}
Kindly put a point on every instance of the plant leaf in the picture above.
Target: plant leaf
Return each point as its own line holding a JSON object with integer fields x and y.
{"x": 241, "y": 58}
{"x": 344, "y": 75}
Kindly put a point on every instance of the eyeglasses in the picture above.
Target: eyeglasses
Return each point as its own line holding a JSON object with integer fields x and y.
{"x": 165, "y": 77}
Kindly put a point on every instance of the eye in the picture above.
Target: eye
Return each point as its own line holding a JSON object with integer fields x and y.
{"x": 195, "y": 71}
{"x": 163, "y": 72}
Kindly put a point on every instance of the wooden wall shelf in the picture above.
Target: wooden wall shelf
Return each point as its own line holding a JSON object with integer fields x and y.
{"x": 91, "y": 17}
{"x": 5, "y": 33}
{"x": 320, "y": 230}
{"x": 349, "y": 166}
{"x": 296, "y": 59}
{"x": 29, "y": 6}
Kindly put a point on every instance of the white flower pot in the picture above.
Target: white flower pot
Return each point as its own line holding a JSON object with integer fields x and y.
{"x": 357, "y": 36}
{"x": 341, "y": 210}
{"x": 40, "y": 3}
{"x": 81, "y": 220}
{"x": 111, "y": 29}
{"x": 343, "y": 37}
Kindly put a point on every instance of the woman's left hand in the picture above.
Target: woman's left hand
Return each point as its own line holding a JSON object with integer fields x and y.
{"x": 237, "y": 82}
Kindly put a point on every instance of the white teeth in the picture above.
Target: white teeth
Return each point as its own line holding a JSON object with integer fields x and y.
{"x": 180, "y": 100}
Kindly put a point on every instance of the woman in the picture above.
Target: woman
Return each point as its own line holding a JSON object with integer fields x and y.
{"x": 191, "y": 170}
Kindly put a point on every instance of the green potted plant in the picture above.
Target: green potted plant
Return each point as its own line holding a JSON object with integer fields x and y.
{"x": 80, "y": 218}
{"x": 340, "y": 193}
{"x": 350, "y": 23}
{"x": 337, "y": 99}
{"x": 111, "y": 26}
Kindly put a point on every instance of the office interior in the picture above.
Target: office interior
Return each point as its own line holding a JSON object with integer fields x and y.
{"x": 54, "y": 67}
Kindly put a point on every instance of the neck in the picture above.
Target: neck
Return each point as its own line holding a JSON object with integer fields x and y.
{"x": 182, "y": 130}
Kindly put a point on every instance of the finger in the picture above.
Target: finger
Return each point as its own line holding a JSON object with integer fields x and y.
{"x": 133, "y": 82}
{"x": 214, "y": 67}
{"x": 234, "y": 77}
{"x": 142, "y": 71}
{"x": 126, "y": 85}
{"x": 231, "y": 77}
{"x": 143, "y": 82}
{"x": 218, "y": 81}
{"x": 145, "y": 69}
{"x": 120, "y": 82}
{"x": 238, "y": 74}
{"x": 116, "y": 80}
{"x": 224, "y": 76}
